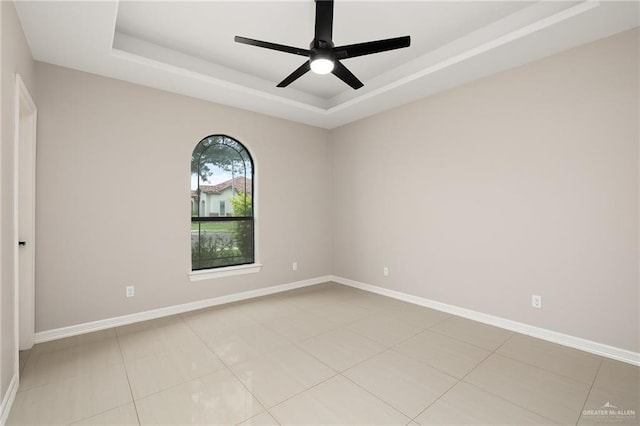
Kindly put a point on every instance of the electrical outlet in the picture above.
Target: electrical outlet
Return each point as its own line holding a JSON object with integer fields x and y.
{"x": 385, "y": 271}
{"x": 131, "y": 291}
{"x": 536, "y": 301}
{"x": 294, "y": 266}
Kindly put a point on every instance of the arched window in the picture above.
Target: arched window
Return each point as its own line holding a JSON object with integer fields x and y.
{"x": 221, "y": 174}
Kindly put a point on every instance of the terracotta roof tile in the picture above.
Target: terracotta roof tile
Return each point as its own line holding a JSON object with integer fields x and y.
{"x": 240, "y": 184}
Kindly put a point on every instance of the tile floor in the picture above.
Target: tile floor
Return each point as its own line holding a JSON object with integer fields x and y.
{"x": 326, "y": 354}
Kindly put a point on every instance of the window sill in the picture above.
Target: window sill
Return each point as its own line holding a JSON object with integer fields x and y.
{"x": 229, "y": 271}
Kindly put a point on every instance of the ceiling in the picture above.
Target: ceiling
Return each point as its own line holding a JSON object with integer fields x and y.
{"x": 187, "y": 47}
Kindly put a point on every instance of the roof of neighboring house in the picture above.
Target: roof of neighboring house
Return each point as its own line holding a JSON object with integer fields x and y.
{"x": 240, "y": 184}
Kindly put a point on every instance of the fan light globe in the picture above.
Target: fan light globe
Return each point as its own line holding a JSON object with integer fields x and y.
{"x": 322, "y": 66}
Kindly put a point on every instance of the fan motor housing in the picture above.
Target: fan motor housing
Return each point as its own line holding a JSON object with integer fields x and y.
{"x": 319, "y": 53}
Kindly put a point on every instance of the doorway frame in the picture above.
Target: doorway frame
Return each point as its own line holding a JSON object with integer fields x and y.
{"x": 25, "y": 126}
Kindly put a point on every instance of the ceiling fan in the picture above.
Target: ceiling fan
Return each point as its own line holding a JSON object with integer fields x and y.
{"x": 323, "y": 56}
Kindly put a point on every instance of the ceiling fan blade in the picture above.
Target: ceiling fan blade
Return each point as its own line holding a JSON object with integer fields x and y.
{"x": 345, "y": 75}
{"x": 272, "y": 46}
{"x": 367, "y": 48}
{"x": 302, "y": 70}
{"x": 324, "y": 20}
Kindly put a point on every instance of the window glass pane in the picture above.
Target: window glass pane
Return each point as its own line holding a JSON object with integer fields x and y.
{"x": 221, "y": 191}
{"x": 221, "y": 171}
{"x": 216, "y": 244}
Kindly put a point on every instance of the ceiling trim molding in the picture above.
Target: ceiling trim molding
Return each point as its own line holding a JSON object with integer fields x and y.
{"x": 86, "y": 36}
{"x": 475, "y": 51}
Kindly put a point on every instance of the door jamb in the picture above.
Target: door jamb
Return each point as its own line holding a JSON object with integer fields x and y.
{"x": 24, "y": 132}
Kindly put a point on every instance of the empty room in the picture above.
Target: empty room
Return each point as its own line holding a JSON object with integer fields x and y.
{"x": 318, "y": 212}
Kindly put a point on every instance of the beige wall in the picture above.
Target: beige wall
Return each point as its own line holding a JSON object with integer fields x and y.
{"x": 15, "y": 58}
{"x": 114, "y": 192}
{"x": 522, "y": 183}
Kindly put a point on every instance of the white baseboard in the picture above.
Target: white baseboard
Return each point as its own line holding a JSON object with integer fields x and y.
{"x": 7, "y": 401}
{"x": 74, "y": 330}
{"x": 541, "y": 333}
{"x": 519, "y": 327}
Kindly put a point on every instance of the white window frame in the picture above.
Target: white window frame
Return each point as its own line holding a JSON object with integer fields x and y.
{"x": 250, "y": 268}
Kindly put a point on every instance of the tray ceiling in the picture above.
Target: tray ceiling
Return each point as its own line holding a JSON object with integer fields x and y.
{"x": 187, "y": 47}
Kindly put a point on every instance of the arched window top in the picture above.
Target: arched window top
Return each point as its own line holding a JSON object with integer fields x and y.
{"x": 220, "y": 158}
{"x": 222, "y": 225}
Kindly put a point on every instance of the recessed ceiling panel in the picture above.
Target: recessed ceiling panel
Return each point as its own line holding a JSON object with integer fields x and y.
{"x": 188, "y": 48}
{"x": 205, "y": 30}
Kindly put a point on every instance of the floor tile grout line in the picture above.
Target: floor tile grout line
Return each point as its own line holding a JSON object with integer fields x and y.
{"x": 494, "y": 353}
{"x": 227, "y": 367}
{"x": 63, "y": 379}
{"x": 435, "y": 401}
{"x": 292, "y": 343}
{"x": 420, "y": 361}
{"x": 202, "y": 341}
{"x": 408, "y": 338}
{"x": 365, "y": 360}
{"x": 333, "y": 369}
{"x": 435, "y": 367}
{"x": 383, "y": 343}
{"x": 230, "y": 370}
{"x": 273, "y": 417}
{"x": 199, "y": 377}
{"x": 253, "y": 357}
{"x": 126, "y": 372}
{"x": 430, "y": 329}
{"x": 175, "y": 386}
{"x": 584, "y": 404}
{"x": 553, "y": 373}
{"x": 387, "y": 348}
{"x": 300, "y": 393}
{"x": 258, "y": 353}
{"x": 511, "y": 335}
{"x": 102, "y": 412}
{"x": 444, "y": 318}
{"x": 376, "y": 396}
{"x": 459, "y": 380}
{"x": 513, "y": 358}
{"x": 261, "y": 323}
{"x": 264, "y": 407}
{"x": 296, "y": 344}
{"x": 156, "y": 354}
{"x": 479, "y": 388}
{"x": 347, "y": 329}
{"x": 257, "y": 415}
{"x": 306, "y": 338}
